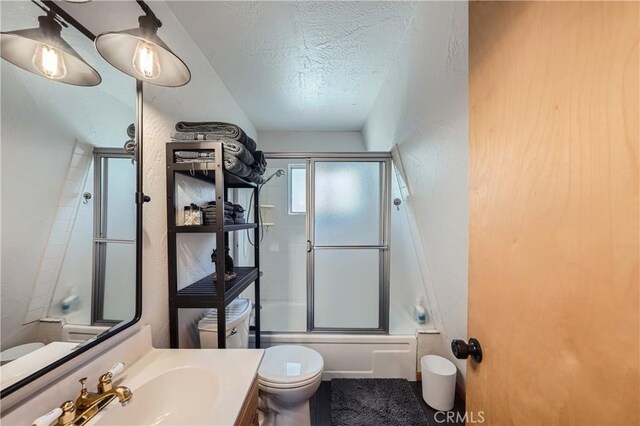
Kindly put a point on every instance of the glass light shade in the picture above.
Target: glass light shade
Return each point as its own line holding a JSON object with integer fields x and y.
{"x": 42, "y": 51}
{"x": 140, "y": 53}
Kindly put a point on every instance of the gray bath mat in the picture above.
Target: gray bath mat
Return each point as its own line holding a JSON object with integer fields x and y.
{"x": 373, "y": 402}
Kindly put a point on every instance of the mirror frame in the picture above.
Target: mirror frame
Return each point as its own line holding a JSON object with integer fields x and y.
{"x": 139, "y": 200}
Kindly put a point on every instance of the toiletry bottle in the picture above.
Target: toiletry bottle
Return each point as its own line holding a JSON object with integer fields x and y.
{"x": 419, "y": 313}
{"x": 71, "y": 301}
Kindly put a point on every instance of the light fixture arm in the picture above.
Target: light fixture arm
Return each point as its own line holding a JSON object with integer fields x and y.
{"x": 62, "y": 15}
{"x": 51, "y": 14}
{"x": 147, "y": 10}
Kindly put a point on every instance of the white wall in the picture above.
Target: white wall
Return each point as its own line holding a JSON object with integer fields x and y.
{"x": 204, "y": 98}
{"x": 35, "y": 160}
{"x": 423, "y": 108}
{"x": 311, "y": 141}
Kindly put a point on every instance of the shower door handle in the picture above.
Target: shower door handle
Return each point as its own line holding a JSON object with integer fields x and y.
{"x": 309, "y": 246}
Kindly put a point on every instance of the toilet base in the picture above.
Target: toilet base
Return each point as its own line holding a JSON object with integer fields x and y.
{"x": 278, "y": 413}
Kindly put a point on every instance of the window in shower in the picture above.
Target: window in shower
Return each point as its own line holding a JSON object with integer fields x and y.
{"x": 297, "y": 189}
{"x": 114, "y": 244}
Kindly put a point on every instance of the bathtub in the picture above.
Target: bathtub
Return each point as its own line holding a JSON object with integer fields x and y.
{"x": 345, "y": 355}
{"x": 355, "y": 355}
{"x": 80, "y": 333}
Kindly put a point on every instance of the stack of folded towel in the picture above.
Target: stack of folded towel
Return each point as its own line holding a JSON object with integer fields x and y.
{"x": 233, "y": 213}
{"x": 240, "y": 155}
{"x": 238, "y": 214}
{"x": 209, "y": 213}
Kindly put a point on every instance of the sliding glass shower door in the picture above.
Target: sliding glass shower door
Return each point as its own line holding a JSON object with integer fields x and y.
{"x": 347, "y": 249}
{"x": 114, "y": 242}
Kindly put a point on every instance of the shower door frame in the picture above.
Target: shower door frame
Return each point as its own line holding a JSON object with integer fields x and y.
{"x": 385, "y": 229}
{"x": 100, "y": 240}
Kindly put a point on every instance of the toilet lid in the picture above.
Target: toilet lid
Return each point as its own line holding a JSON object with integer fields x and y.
{"x": 19, "y": 351}
{"x": 270, "y": 385}
{"x": 289, "y": 364}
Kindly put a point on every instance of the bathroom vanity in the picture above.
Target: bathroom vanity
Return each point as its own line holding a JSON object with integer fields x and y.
{"x": 169, "y": 386}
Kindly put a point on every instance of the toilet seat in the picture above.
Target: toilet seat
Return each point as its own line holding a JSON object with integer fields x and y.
{"x": 289, "y": 366}
{"x": 19, "y": 351}
{"x": 293, "y": 385}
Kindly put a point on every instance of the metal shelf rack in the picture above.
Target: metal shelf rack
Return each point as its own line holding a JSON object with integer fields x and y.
{"x": 207, "y": 292}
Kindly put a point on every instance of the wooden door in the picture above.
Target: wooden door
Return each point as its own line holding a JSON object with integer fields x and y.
{"x": 553, "y": 273}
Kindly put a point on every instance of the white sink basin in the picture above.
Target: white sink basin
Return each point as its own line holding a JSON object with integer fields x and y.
{"x": 184, "y": 387}
{"x": 177, "y": 397}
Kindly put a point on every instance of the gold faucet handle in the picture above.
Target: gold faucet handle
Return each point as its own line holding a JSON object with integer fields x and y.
{"x": 104, "y": 382}
{"x": 68, "y": 411}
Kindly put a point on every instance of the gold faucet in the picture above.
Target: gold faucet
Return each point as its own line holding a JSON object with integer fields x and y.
{"x": 89, "y": 404}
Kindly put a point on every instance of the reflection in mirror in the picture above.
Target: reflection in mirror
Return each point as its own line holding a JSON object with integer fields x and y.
{"x": 68, "y": 230}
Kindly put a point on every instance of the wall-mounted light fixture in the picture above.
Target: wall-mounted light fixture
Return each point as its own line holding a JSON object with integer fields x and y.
{"x": 43, "y": 51}
{"x": 140, "y": 53}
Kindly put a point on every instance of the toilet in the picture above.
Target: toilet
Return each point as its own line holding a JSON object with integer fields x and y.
{"x": 288, "y": 376}
{"x": 19, "y": 351}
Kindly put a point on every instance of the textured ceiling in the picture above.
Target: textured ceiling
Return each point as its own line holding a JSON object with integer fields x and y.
{"x": 299, "y": 65}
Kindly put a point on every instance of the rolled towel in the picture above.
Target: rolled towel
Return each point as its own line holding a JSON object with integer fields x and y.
{"x": 237, "y": 215}
{"x": 240, "y": 220}
{"x": 260, "y": 165}
{"x": 254, "y": 177}
{"x": 236, "y": 149}
{"x": 131, "y": 130}
{"x": 219, "y": 128}
{"x": 234, "y": 165}
{"x": 238, "y": 208}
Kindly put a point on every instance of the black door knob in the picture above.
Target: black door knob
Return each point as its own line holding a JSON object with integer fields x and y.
{"x": 463, "y": 350}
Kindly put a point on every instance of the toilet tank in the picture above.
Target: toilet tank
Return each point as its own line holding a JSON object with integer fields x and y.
{"x": 237, "y": 319}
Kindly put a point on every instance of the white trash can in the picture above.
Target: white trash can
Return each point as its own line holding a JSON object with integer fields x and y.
{"x": 438, "y": 382}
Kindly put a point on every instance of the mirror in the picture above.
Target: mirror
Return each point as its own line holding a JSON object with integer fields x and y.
{"x": 68, "y": 211}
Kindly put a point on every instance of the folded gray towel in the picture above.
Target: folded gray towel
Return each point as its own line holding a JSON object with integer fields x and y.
{"x": 231, "y": 146}
{"x": 220, "y": 128}
{"x": 236, "y": 149}
{"x": 228, "y": 207}
{"x": 254, "y": 177}
{"x": 236, "y": 166}
{"x": 189, "y": 155}
{"x": 227, "y": 221}
{"x": 260, "y": 165}
{"x": 193, "y": 136}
